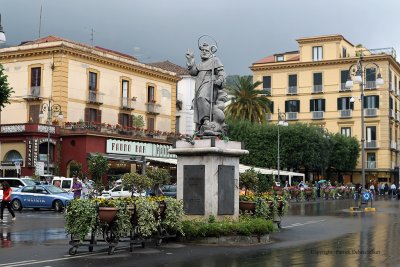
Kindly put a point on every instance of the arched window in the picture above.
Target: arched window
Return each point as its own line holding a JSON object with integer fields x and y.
{"x": 12, "y": 156}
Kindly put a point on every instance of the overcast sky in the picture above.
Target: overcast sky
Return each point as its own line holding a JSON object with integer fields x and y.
{"x": 245, "y": 30}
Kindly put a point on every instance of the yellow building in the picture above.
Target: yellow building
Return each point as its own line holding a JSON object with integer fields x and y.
{"x": 308, "y": 85}
{"x": 89, "y": 83}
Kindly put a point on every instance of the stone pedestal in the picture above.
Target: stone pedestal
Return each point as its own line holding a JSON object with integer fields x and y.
{"x": 208, "y": 177}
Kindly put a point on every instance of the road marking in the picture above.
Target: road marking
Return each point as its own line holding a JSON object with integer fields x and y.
{"x": 17, "y": 262}
{"x": 301, "y": 224}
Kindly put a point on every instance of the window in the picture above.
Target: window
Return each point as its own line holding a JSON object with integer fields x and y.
{"x": 271, "y": 106}
{"x": 279, "y": 58}
{"x": 317, "y": 82}
{"x": 177, "y": 120}
{"x": 343, "y": 103}
{"x": 371, "y": 161}
{"x": 370, "y": 77}
{"x": 36, "y": 77}
{"x": 344, "y": 52}
{"x": 125, "y": 119}
{"x": 92, "y": 115}
{"x": 125, "y": 93}
{"x": 150, "y": 123}
{"x": 292, "y": 80}
{"x": 317, "y": 105}
{"x": 292, "y": 106}
{"x": 92, "y": 81}
{"x": 267, "y": 82}
{"x": 346, "y": 131}
{"x": 150, "y": 94}
{"x": 34, "y": 111}
{"x": 344, "y": 75}
{"x": 371, "y": 101}
{"x": 317, "y": 53}
{"x": 371, "y": 137}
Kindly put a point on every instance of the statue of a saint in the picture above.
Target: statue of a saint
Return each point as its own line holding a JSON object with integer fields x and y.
{"x": 210, "y": 96}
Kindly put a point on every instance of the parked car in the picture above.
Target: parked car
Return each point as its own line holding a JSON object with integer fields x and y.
{"x": 65, "y": 183}
{"x": 169, "y": 190}
{"x": 15, "y": 183}
{"x": 119, "y": 191}
{"x": 41, "y": 197}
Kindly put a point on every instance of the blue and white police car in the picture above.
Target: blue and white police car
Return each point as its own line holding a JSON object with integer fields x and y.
{"x": 40, "y": 197}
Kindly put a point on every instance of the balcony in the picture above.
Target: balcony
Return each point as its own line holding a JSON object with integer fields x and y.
{"x": 153, "y": 108}
{"x": 342, "y": 87}
{"x": 317, "y": 89}
{"x": 392, "y": 114}
{"x": 393, "y": 145}
{"x": 290, "y": 116}
{"x": 397, "y": 116}
{"x": 128, "y": 103}
{"x": 371, "y": 144}
{"x": 391, "y": 87}
{"x": 370, "y": 85}
{"x": 34, "y": 94}
{"x": 317, "y": 115}
{"x": 268, "y": 116}
{"x": 266, "y": 91}
{"x": 371, "y": 164}
{"x": 370, "y": 112}
{"x": 95, "y": 97}
{"x": 345, "y": 113}
{"x": 292, "y": 90}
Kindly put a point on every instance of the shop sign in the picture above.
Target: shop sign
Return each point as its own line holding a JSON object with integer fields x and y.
{"x": 12, "y": 163}
{"x": 32, "y": 152}
{"x": 138, "y": 149}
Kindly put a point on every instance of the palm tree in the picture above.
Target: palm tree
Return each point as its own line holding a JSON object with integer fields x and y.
{"x": 246, "y": 102}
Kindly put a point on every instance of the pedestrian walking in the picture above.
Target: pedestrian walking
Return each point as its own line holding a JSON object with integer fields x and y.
{"x": 76, "y": 188}
{"x": 393, "y": 189}
{"x": 6, "y": 201}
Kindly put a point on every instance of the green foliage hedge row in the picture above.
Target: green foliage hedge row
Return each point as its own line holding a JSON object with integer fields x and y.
{"x": 246, "y": 226}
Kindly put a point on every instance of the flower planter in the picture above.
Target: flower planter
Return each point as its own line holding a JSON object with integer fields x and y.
{"x": 247, "y": 206}
{"x": 107, "y": 214}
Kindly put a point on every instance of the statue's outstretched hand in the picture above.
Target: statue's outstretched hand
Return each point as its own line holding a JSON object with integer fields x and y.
{"x": 190, "y": 58}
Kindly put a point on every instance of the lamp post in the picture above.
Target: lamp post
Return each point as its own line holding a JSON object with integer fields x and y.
{"x": 2, "y": 35}
{"x": 358, "y": 70}
{"x": 51, "y": 110}
{"x": 281, "y": 122}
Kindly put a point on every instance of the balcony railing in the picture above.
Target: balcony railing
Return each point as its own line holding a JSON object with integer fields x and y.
{"x": 128, "y": 103}
{"x": 153, "y": 108}
{"x": 292, "y": 90}
{"x": 371, "y": 164}
{"x": 266, "y": 91}
{"x": 317, "y": 88}
{"x": 268, "y": 116}
{"x": 33, "y": 94}
{"x": 370, "y": 112}
{"x": 391, "y": 87}
{"x": 291, "y": 116}
{"x": 397, "y": 116}
{"x": 317, "y": 115}
{"x": 342, "y": 87}
{"x": 95, "y": 97}
{"x": 370, "y": 85}
{"x": 371, "y": 144}
{"x": 393, "y": 145}
{"x": 392, "y": 114}
{"x": 345, "y": 113}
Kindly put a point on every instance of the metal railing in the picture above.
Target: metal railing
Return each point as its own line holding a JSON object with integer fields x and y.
{"x": 268, "y": 116}
{"x": 371, "y": 164}
{"x": 370, "y": 85}
{"x": 345, "y": 113}
{"x": 317, "y": 115}
{"x": 317, "y": 88}
{"x": 35, "y": 91}
{"x": 398, "y": 116}
{"x": 266, "y": 91}
{"x": 371, "y": 144}
{"x": 392, "y": 114}
{"x": 370, "y": 112}
{"x": 95, "y": 97}
{"x": 291, "y": 115}
{"x": 292, "y": 90}
{"x": 393, "y": 145}
{"x": 153, "y": 107}
{"x": 342, "y": 87}
{"x": 127, "y": 103}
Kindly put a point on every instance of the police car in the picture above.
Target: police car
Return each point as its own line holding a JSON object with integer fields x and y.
{"x": 40, "y": 197}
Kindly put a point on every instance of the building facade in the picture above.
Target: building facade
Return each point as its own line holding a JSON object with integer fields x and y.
{"x": 99, "y": 93}
{"x": 308, "y": 85}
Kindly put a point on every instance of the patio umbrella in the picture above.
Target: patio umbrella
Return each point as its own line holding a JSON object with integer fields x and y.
{"x": 321, "y": 181}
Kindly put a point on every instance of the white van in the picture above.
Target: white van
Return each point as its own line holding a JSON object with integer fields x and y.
{"x": 15, "y": 183}
{"x": 63, "y": 182}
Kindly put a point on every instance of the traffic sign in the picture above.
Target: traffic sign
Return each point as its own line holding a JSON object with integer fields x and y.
{"x": 367, "y": 196}
{"x": 39, "y": 168}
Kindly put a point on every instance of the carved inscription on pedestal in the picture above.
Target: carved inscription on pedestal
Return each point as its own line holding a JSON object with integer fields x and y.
{"x": 193, "y": 189}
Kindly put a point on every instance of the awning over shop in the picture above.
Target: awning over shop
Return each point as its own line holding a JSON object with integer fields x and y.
{"x": 242, "y": 168}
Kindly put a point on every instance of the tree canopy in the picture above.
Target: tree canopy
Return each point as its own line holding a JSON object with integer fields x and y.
{"x": 246, "y": 102}
{"x": 5, "y": 89}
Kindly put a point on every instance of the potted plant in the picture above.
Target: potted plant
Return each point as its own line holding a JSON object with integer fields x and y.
{"x": 136, "y": 182}
{"x": 248, "y": 181}
{"x": 81, "y": 218}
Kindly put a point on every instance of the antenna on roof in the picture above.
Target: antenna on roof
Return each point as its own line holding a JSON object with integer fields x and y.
{"x": 92, "y": 36}
{"x": 40, "y": 18}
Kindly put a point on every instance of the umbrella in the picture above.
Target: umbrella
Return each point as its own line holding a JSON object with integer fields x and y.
{"x": 321, "y": 181}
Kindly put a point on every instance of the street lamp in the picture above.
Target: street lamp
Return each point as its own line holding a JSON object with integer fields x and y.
{"x": 281, "y": 122}
{"x": 2, "y": 35}
{"x": 51, "y": 109}
{"x": 358, "y": 70}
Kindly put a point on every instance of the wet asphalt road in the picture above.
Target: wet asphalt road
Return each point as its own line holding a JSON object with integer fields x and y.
{"x": 321, "y": 233}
